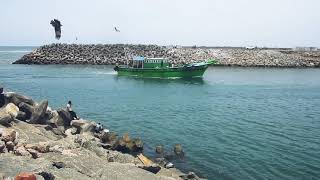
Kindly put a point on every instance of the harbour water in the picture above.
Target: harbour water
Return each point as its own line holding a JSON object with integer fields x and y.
{"x": 234, "y": 123}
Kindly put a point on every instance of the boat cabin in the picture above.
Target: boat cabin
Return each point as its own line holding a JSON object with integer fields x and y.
{"x": 141, "y": 62}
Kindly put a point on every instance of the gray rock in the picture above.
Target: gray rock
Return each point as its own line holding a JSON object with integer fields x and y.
{"x": 178, "y": 150}
{"x": 38, "y": 113}
{"x": 17, "y": 98}
{"x": 5, "y": 118}
{"x": 159, "y": 149}
{"x": 2, "y": 146}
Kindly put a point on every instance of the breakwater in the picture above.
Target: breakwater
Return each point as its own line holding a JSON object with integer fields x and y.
{"x": 111, "y": 54}
{"x": 37, "y": 142}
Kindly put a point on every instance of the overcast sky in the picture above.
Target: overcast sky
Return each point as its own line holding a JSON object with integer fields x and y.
{"x": 272, "y": 23}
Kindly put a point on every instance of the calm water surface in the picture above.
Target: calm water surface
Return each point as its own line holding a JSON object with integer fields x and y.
{"x": 235, "y": 123}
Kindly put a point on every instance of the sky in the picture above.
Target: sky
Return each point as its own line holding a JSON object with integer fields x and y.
{"x": 263, "y": 23}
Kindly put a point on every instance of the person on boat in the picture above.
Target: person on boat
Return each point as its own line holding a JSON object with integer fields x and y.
{"x": 2, "y": 99}
{"x": 72, "y": 113}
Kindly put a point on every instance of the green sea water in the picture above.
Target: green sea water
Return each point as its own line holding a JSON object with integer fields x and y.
{"x": 234, "y": 123}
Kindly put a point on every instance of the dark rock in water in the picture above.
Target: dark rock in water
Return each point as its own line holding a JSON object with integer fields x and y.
{"x": 37, "y": 116}
{"x": 66, "y": 116}
{"x": 59, "y": 165}
{"x": 159, "y": 149}
{"x": 109, "y": 137}
{"x": 126, "y": 145}
{"x": 178, "y": 150}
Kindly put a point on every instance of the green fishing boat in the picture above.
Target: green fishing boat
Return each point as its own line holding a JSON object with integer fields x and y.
{"x": 161, "y": 68}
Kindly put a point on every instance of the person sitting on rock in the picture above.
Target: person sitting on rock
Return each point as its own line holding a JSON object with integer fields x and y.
{"x": 2, "y": 99}
{"x": 98, "y": 128}
{"x": 72, "y": 113}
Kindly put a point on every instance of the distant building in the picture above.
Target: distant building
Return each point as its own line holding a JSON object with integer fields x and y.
{"x": 306, "y": 49}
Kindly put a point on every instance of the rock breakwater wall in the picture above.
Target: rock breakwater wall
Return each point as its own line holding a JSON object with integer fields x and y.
{"x": 110, "y": 54}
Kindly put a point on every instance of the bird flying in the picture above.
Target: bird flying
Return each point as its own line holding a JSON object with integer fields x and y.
{"x": 117, "y": 30}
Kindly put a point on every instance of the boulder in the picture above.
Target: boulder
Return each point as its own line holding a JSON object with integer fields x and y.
{"x": 159, "y": 149}
{"x": 2, "y": 146}
{"x": 128, "y": 145}
{"x": 8, "y": 134}
{"x": 37, "y": 116}
{"x": 21, "y": 151}
{"x": 108, "y": 137}
{"x": 83, "y": 125}
{"x": 17, "y": 98}
{"x": 178, "y": 150}
{"x": 10, "y": 145}
{"x": 5, "y": 118}
{"x": 12, "y": 109}
{"x": 56, "y": 119}
{"x": 2, "y": 98}
{"x": 21, "y": 116}
{"x": 43, "y": 147}
{"x": 27, "y": 109}
{"x": 66, "y": 117}
{"x": 34, "y": 153}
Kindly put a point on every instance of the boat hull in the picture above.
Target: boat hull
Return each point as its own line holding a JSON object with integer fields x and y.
{"x": 178, "y": 72}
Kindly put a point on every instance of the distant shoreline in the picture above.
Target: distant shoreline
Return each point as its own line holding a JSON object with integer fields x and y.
{"x": 110, "y": 54}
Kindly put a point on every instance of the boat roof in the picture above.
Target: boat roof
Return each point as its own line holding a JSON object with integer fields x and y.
{"x": 141, "y": 58}
{"x": 138, "y": 58}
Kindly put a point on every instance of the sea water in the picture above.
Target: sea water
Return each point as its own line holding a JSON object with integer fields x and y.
{"x": 234, "y": 123}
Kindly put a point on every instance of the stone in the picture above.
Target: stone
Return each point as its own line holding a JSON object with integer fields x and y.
{"x": 17, "y": 98}
{"x": 109, "y": 137}
{"x": 2, "y": 98}
{"x": 2, "y": 146}
{"x": 21, "y": 116}
{"x": 59, "y": 165}
{"x": 34, "y": 153}
{"x": 43, "y": 147}
{"x": 178, "y": 150}
{"x": 27, "y": 109}
{"x": 12, "y": 109}
{"x": 5, "y": 118}
{"x": 37, "y": 116}
{"x": 190, "y": 176}
{"x": 83, "y": 125}
{"x": 55, "y": 120}
{"x": 21, "y": 151}
{"x": 56, "y": 148}
{"x": 159, "y": 149}
{"x": 66, "y": 117}
{"x": 10, "y": 145}
{"x": 46, "y": 175}
{"x": 8, "y": 135}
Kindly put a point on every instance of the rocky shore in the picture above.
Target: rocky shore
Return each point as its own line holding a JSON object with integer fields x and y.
{"x": 111, "y": 54}
{"x": 38, "y": 142}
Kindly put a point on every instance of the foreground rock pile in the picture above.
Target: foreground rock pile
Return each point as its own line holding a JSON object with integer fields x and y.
{"x": 42, "y": 143}
{"x": 119, "y": 53}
